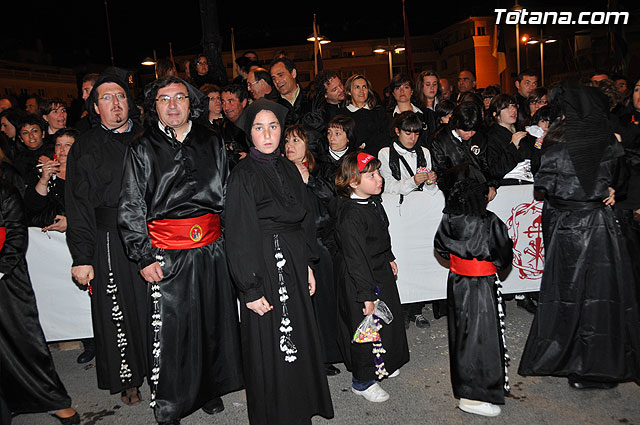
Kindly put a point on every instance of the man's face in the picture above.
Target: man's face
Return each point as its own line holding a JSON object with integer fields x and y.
{"x": 112, "y": 105}
{"x": 335, "y": 91}
{"x": 527, "y": 84}
{"x": 4, "y": 104}
{"x": 56, "y": 118}
{"x": 251, "y": 56}
{"x": 202, "y": 66}
{"x": 86, "y": 89}
{"x": 599, "y": 77}
{"x": 446, "y": 88}
{"x": 172, "y": 105}
{"x": 257, "y": 88}
{"x": 621, "y": 85}
{"x": 31, "y": 106}
{"x": 466, "y": 82}
{"x": 232, "y": 106}
{"x": 284, "y": 80}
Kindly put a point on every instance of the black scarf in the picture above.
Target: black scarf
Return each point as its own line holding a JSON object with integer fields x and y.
{"x": 264, "y": 158}
{"x": 394, "y": 159}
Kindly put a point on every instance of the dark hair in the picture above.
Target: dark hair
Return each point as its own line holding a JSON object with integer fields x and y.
{"x": 473, "y": 75}
{"x": 418, "y": 89}
{"x": 347, "y": 124}
{"x": 407, "y": 121}
{"x": 31, "y": 119}
{"x": 491, "y": 91}
{"x": 323, "y": 78}
{"x": 164, "y": 66}
{"x": 398, "y": 80}
{"x": 90, "y": 77}
{"x": 598, "y": 72}
{"x": 67, "y": 131}
{"x": 444, "y": 108}
{"x": 542, "y": 114}
{"x": 245, "y": 64}
{"x": 14, "y": 116}
{"x": 46, "y": 106}
{"x": 465, "y": 117}
{"x": 529, "y": 72}
{"x": 537, "y": 94}
{"x": 498, "y": 103}
{"x": 348, "y": 173}
{"x": 263, "y": 74}
{"x": 299, "y": 130}
{"x": 239, "y": 90}
{"x": 288, "y": 63}
{"x": 210, "y": 88}
{"x": 151, "y": 92}
{"x": 33, "y": 96}
{"x": 250, "y": 52}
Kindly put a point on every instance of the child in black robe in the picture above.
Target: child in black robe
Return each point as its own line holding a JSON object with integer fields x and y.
{"x": 477, "y": 243}
{"x": 367, "y": 273}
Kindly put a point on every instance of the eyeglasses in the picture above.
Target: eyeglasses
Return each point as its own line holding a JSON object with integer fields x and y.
{"x": 202, "y": 63}
{"x": 539, "y": 102}
{"x": 252, "y": 84}
{"x": 179, "y": 98}
{"x": 108, "y": 97}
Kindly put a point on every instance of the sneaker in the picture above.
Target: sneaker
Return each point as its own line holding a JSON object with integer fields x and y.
{"x": 395, "y": 374}
{"x": 482, "y": 409}
{"x": 422, "y": 322}
{"x": 374, "y": 393}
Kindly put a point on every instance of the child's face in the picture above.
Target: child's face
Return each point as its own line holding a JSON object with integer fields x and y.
{"x": 337, "y": 139}
{"x": 370, "y": 184}
{"x": 407, "y": 138}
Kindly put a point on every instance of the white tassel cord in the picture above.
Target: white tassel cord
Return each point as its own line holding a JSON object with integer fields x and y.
{"x": 286, "y": 344}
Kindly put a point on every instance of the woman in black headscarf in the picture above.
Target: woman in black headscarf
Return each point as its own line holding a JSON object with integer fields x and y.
{"x": 586, "y": 324}
{"x": 270, "y": 238}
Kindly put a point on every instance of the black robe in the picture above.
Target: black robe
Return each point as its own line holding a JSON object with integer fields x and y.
{"x": 365, "y": 246}
{"x": 502, "y": 155}
{"x": 586, "y": 324}
{"x": 372, "y": 129}
{"x": 28, "y": 379}
{"x": 476, "y": 349}
{"x": 266, "y": 201}
{"x": 42, "y": 210}
{"x": 92, "y": 192}
{"x": 196, "y": 347}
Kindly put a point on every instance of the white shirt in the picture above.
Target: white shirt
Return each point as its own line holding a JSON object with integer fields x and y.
{"x": 406, "y": 184}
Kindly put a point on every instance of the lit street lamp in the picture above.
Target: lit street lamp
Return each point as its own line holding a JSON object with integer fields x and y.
{"x": 152, "y": 62}
{"x": 390, "y": 50}
{"x": 542, "y": 40}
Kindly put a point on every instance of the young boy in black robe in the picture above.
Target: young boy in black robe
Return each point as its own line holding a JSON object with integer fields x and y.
{"x": 366, "y": 274}
{"x": 477, "y": 244}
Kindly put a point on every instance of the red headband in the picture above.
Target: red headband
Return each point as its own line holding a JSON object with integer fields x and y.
{"x": 363, "y": 159}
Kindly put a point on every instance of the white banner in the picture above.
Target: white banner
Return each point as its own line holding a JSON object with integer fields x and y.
{"x": 428, "y": 278}
{"x": 63, "y": 308}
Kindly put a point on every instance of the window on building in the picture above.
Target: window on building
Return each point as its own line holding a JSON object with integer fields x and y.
{"x": 480, "y": 31}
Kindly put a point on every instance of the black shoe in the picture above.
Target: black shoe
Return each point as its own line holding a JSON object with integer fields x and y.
{"x": 71, "y": 420}
{"x": 213, "y": 406}
{"x": 86, "y": 356}
{"x": 422, "y": 322}
{"x": 584, "y": 384}
{"x": 439, "y": 308}
{"x": 331, "y": 370}
{"x": 528, "y": 304}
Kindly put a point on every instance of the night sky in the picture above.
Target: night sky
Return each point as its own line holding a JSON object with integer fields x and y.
{"x": 75, "y": 33}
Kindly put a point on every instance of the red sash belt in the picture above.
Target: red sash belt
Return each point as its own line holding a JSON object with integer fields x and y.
{"x": 471, "y": 267}
{"x": 3, "y": 236}
{"x": 185, "y": 233}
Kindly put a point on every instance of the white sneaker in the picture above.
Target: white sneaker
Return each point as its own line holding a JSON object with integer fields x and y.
{"x": 394, "y": 374}
{"x": 479, "y": 408}
{"x": 374, "y": 393}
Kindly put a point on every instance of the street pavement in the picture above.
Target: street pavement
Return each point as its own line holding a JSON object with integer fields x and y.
{"x": 420, "y": 395}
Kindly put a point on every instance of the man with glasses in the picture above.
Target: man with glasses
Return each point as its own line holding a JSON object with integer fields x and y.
{"x": 259, "y": 84}
{"x": 92, "y": 193}
{"x": 169, "y": 216}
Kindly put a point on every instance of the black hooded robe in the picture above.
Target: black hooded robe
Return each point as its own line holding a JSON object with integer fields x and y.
{"x": 476, "y": 349}
{"x": 92, "y": 192}
{"x": 28, "y": 379}
{"x": 195, "y": 349}
{"x": 264, "y": 202}
{"x": 587, "y": 322}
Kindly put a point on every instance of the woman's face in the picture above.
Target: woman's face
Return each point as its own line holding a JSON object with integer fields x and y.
{"x": 636, "y": 96}
{"x": 295, "y": 148}
{"x": 508, "y": 116}
{"x": 266, "y": 131}
{"x": 63, "y": 144}
{"x": 31, "y": 136}
{"x": 337, "y": 139}
{"x": 408, "y": 139}
{"x": 446, "y": 118}
{"x": 402, "y": 93}
{"x": 537, "y": 104}
{"x": 543, "y": 125}
{"x": 430, "y": 86}
{"x": 57, "y": 118}
{"x": 215, "y": 104}
{"x": 7, "y": 128}
{"x": 359, "y": 92}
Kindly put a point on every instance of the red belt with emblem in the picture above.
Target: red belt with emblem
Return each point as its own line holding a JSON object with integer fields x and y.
{"x": 473, "y": 267}
{"x": 185, "y": 233}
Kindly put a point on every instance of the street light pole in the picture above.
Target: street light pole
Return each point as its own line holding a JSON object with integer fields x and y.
{"x": 106, "y": 11}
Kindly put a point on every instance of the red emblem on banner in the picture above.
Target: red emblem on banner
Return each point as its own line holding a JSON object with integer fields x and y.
{"x": 195, "y": 233}
{"x": 525, "y": 229}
